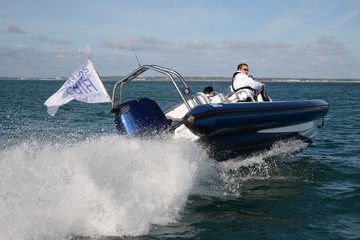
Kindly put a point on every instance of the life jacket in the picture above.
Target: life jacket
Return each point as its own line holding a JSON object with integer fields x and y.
{"x": 246, "y": 87}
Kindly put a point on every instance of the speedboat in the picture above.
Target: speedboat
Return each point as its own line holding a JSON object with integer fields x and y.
{"x": 225, "y": 125}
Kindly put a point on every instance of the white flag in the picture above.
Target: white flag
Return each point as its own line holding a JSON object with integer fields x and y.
{"x": 83, "y": 85}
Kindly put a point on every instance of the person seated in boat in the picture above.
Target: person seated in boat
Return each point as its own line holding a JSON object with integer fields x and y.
{"x": 241, "y": 81}
{"x": 208, "y": 90}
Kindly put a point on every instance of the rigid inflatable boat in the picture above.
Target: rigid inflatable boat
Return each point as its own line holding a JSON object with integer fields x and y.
{"x": 222, "y": 123}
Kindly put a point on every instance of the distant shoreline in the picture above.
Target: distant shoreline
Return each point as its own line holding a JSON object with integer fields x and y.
{"x": 193, "y": 79}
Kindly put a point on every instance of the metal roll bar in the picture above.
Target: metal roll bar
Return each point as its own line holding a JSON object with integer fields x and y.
{"x": 171, "y": 74}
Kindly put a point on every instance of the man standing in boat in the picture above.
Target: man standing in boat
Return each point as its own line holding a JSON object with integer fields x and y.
{"x": 241, "y": 81}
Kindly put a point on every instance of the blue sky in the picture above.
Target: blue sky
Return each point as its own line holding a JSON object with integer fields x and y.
{"x": 277, "y": 38}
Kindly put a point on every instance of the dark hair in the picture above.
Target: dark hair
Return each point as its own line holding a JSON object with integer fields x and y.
{"x": 208, "y": 89}
{"x": 240, "y": 65}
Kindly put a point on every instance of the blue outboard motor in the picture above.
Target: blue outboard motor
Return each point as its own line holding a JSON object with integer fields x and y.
{"x": 141, "y": 117}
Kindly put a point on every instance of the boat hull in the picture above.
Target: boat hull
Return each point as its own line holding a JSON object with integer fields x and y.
{"x": 233, "y": 129}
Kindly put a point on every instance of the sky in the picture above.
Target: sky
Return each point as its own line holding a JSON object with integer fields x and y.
{"x": 200, "y": 38}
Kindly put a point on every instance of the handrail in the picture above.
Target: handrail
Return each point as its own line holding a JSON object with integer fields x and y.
{"x": 140, "y": 70}
{"x": 198, "y": 96}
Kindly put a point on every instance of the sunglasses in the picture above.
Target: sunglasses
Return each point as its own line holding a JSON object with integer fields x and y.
{"x": 245, "y": 69}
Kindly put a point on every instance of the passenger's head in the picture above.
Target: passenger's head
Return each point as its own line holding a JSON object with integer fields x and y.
{"x": 243, "y": 67}
{"x": 208, "y": 89}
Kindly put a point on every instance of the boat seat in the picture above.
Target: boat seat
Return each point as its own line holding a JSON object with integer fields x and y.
{"x": 240, "y": 96}
{"x": 200, "y": 98}
{"x": 216, "y": 97}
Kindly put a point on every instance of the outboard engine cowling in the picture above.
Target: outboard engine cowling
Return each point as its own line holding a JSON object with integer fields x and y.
{"x": 140, "y": 117}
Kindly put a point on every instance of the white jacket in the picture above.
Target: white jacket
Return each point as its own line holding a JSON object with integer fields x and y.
{"x": 242, "y": 80}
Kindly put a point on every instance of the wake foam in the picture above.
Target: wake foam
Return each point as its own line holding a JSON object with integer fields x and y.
{"x": 260, "y": 169}
{"x": 109, "y": 185}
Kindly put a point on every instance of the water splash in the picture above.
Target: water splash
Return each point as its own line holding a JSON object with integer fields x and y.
{"x": 109, "y": 185}
{"x": 260, "y": 170}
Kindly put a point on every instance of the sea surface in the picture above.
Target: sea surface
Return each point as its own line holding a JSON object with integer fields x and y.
{"x": 73, "y": 177}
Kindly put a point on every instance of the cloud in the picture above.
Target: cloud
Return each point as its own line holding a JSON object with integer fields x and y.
{"x": 196, "y": 57}
{"x": 86, "y": 49}
{"x": 6, "y": 53}
{"x": 46, "y": 39}
{"x": 13, "y": 30}
{"x": 330, "y": 50}
{"x": 324, "y": 53}
{"x": 158, "y": 45}
{"x": 199, "y": 44}
{"x": 21, "y": 46}
{"x": 349, "y": 16}
{"x": 134, "y": 44}
{"x": 299, "y": 15}
{"x": 271, "y": 58}
{"x": 252, "y": 45}
{"x": 13, "y": 56}
{"x": 316, "y": 59}
{"x": 29, "y": 61}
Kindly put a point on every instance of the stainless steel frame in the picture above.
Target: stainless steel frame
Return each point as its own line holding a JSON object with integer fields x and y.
{"x": 171, "y": 74}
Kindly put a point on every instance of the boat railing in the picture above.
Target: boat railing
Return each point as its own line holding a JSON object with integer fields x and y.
{"x": 174, "y": 76}
{"x": 201, "y": 98}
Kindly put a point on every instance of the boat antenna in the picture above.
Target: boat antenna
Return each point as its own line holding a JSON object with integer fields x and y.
{"x": 137, "y": 60}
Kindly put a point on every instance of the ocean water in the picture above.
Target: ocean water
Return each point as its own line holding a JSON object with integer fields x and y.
{"x": 73, "y": 177}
